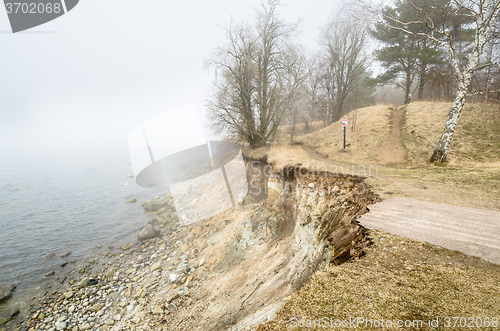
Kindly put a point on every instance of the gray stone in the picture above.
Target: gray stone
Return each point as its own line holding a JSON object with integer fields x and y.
{"x": 14, "y": 312}
{"x": 174, "y": 278}
{"x": 5, "y": 292}
{"x": 147, "y": 233}
{"x": 155, "y": 266}
{"x": 69, "y": 294}
{"x": 111, "y": 272}
{"x": 61, "y": 325}
{"x": 154, "y": 205}
{"x": 157, "y": 310}
{"x": 183, "y": 267}
{"x": 131, "y": 201}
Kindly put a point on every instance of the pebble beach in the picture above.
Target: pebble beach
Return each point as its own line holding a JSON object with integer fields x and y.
{"x": 120, "y": 288}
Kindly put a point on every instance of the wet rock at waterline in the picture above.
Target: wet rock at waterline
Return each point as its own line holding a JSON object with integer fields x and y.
{"x": 6, "y": 317}
{"x": 148, "y": 232}
{"x": 6, "y": 291}
{"x": 131, "y": 201}
{"x": 159, "y": 204}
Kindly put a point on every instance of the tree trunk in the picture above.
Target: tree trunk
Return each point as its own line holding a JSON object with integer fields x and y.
{"x": 421, "y": 84}
{"x": 441, "y": 150}
{"x": 408, "y": 86}
{"x": 327, "y": 119}
{"x": 422, "y": 79}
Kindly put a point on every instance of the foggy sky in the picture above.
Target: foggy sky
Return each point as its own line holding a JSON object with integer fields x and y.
{"x": 88, "y": 78}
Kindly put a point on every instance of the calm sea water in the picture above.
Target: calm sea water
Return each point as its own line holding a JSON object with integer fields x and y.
{"x": 63, "y": 203}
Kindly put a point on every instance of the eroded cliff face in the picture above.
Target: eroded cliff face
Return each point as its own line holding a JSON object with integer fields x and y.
{"x": 294, "y": 222}
{"x": 227, "y": 272}
{"x": 326, "y": 206}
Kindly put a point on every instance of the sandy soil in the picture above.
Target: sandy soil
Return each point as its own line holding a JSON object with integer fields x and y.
{"x": 392, "y": 150}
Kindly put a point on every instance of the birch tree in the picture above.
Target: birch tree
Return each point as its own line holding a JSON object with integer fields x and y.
{"x": 482, "y": 13}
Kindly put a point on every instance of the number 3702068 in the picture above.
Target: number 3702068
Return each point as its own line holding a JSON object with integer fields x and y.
{"x": 33, "y": 8}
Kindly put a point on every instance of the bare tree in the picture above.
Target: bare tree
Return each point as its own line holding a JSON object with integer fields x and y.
{"x": 344, "y": 44}
{"x": 483, "y": 13}
{"x": 313, "y": 85}
{"x": 258, "y": 73}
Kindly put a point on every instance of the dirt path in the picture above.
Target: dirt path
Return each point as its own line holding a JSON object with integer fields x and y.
{"x": 471, "y": 231}
{"x": 392, "y": 150}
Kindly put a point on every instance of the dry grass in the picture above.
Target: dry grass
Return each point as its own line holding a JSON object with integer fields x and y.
{"x": 474, "y": 154}
{"x": 280, "y": 156}
{"x": 424, "y": 125}
{"x": 398, "y": 279}
{"x": 372, "y": 126}
{"x": 473, "y": 160}
{"x": 283, "y": 133}
{"x": 477, "y": 136}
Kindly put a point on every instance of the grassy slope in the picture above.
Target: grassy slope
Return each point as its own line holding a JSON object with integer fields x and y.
{"x": 372, "y": 125}
{"x": 477, "y": 137}
{"x": 398, "y": 279}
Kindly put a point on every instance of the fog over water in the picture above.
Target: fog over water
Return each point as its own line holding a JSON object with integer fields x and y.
{"x": 86, "y": 79}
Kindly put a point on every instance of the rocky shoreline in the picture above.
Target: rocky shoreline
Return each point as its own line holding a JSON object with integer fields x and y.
{"x": 232, "y": 271}
{"x": 114, "y": 287}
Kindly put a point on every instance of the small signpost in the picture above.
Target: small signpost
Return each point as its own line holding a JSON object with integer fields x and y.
{"x": 344, "y": 125}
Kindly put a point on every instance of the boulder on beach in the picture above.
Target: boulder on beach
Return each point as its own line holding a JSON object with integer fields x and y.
{"x": 5, "y": 292}
{"x": 155, "y": 205}
{"x": 147, "y": 232}
{"x": 131, "y": 201}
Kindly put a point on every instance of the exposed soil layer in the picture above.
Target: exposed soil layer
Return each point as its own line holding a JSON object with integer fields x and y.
{"x": 294, "y": 223}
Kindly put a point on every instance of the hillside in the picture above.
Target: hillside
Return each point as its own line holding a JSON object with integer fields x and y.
{"x": 372, "y": 125}
{"x": 477, "y": 137}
